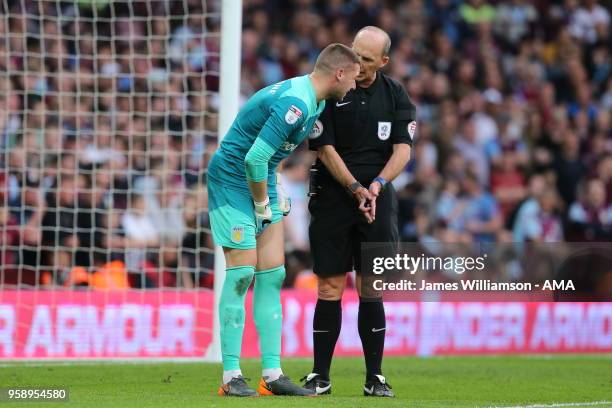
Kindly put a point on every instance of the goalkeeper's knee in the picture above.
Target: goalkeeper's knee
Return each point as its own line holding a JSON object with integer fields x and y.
{"x": 270, "y": 279}
{"x": 237, "y": 282}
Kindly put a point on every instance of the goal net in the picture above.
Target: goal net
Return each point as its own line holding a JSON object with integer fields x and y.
{"x": 108, "y": 115}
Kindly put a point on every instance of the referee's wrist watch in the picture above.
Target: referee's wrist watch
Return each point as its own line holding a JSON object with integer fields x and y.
{"x": 382, "y": 182}
{"x": 353, "y": 187}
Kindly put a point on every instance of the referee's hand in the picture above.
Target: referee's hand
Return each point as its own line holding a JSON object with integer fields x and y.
{"x": 366, "y": 203}
{"x": 375, "y": 188}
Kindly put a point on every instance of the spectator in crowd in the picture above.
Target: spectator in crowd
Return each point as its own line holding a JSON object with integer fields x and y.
{"x": 30, "y": 213}
{"x": 197, "y": 256}
{"x": 449, "y": 206}
{"x": 525, "y": 209}
{"x": 481, "y": 216}
{"x": 590, "y": 22}
{"x": 568, "y": 166}
{"x": 110, "y": 236}
{"x": 473, "y": 152}
{"x": 485, "y": 120}
{"x": 590, "y": 217}
{"x": 9, "y": 244}
{"x": 60, "y": 227}
{"x": 508, "y": 185}
{"x": 514, "y": 20}
{"x": 140, "y": 236}
{"x": 538, "y": 220}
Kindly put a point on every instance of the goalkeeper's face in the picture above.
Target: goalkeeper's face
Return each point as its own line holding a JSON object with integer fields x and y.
{"x": 345, "y": 81}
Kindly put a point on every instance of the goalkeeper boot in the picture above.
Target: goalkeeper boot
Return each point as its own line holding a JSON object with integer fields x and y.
{"x": 377, "y": 387}
{"x": 283, "y": 386}
{"x": 316, "y": 383}
{"x": 237, "y": 387}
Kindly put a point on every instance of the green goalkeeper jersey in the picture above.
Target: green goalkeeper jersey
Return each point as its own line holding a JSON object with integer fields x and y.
{"x": 282, "y": 115}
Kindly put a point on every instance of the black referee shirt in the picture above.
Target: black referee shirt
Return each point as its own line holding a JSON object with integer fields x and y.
{"x": 364, "y": 126}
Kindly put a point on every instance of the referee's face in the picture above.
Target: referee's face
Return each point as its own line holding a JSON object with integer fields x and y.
{"x": 369, "y": 48}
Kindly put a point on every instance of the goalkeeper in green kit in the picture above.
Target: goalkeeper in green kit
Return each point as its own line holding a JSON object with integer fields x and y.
{"x": 246, "y": 210}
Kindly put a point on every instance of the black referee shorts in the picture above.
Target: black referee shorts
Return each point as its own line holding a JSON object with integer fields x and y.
{"x": 337, "y": 228}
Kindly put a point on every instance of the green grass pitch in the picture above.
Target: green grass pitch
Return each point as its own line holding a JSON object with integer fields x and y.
{"x": 486, "y": 381}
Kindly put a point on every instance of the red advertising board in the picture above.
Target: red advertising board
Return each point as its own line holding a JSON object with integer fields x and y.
{"x": 76, "y": 324}
{"x": 125, "y": 324}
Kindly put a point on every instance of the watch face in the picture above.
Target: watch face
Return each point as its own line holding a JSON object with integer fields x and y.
{"x": 353, "y": 187}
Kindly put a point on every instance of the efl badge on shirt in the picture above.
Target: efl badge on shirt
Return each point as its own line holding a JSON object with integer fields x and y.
{"x": 412, "y": 129}
{"x": 237, "y": 234}
{"x": 292, "y": 115}
{"x": 384, "y": 130}
{"x": 317, "y": 130}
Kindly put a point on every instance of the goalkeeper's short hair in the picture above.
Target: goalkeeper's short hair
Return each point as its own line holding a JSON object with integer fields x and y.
{"x": 335, "y": 56}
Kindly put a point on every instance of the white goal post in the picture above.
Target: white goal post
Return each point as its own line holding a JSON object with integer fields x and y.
{"x": 231, "y": 29}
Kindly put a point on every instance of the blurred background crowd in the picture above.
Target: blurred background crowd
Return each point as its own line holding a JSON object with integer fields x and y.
{"x": 108, "y": 116}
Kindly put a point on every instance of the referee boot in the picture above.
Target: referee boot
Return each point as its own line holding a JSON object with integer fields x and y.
{"x": 377, "y": 386}
{"x": 316, "y": 383}
{"x": 283, "y": 386}
{"x": 237, "y": 387}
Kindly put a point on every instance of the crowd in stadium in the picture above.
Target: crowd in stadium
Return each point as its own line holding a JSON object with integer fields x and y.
{"x": 108, "y": 117}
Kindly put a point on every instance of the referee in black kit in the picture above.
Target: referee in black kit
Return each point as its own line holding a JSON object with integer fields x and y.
{"x": 362, "y": 142}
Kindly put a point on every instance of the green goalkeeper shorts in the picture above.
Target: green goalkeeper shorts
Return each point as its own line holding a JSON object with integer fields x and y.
{"x": 231, "y": 216}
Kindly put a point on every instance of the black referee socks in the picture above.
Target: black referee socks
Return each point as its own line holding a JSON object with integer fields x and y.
{"x": 372, "y": 327}
{"x": 325, "y": 331}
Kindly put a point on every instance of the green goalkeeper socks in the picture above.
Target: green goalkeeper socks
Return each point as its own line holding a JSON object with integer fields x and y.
{"x": 231, "y": 313}
{"x": 269, "y": 314}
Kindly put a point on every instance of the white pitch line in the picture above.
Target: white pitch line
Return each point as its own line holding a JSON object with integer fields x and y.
{"x": 562, "y": 404}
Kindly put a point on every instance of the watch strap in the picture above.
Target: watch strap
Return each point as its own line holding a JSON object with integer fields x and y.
{"x": 381, "y": 180}
{"x": 353, "y": 187}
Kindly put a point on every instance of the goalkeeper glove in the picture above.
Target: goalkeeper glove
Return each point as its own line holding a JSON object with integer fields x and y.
{"x": 263, "y": 215}
{"x": 284, "y": 202}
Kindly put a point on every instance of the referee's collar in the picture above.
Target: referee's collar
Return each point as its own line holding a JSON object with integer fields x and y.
{"x": 372, "y": 88}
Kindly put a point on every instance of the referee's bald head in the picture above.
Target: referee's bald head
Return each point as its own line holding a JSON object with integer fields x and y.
{"x": 376, "y": 35}
{"x": 335, "y": 56}
{"x": 372, "y": 45}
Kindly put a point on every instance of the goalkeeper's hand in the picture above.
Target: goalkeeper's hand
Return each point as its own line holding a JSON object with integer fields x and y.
{"x": 284, "y": 202}
{"x": 263, "y": 215}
